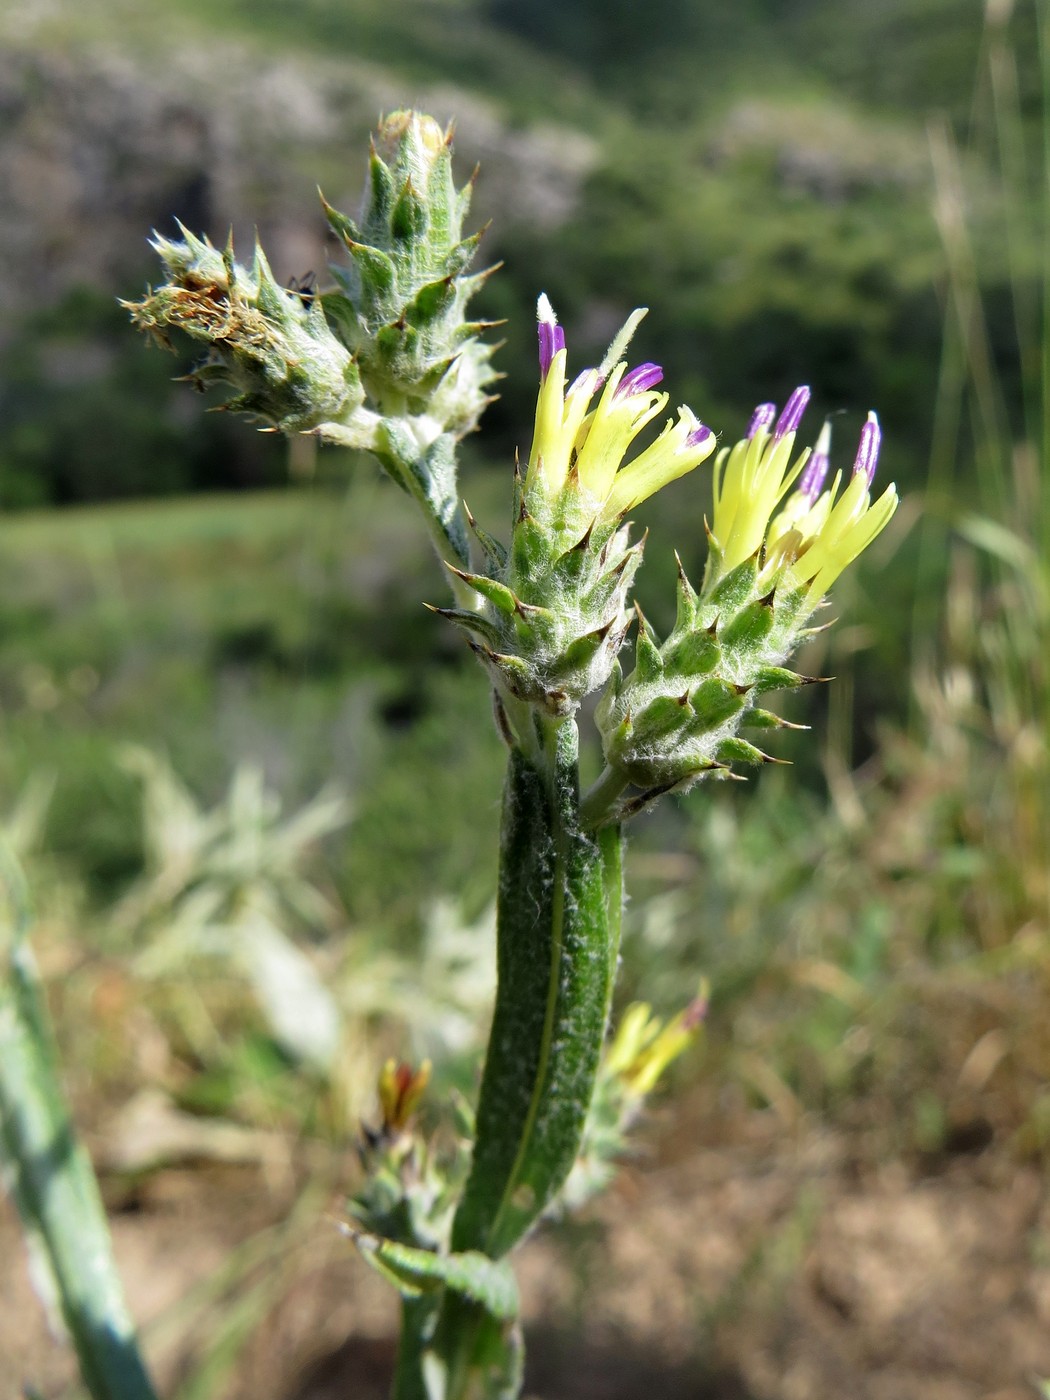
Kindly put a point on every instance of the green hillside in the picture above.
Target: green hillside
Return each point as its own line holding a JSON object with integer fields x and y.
{"x": 761, "y": 180}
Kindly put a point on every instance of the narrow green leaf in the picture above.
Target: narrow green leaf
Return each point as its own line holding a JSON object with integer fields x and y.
{"x": 417, "y": 1272}
{"x": 558, "y": 920}
{"x": 50, "y": 1175}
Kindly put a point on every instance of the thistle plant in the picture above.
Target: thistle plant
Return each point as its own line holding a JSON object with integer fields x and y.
{"x": 387, "y": 359}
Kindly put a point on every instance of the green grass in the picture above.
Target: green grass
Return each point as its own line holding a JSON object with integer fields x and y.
{"x": 285, "y": 629}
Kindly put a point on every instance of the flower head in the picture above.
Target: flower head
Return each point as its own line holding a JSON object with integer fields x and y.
{"x": 644, "y": 1045}
{"x": 808, "y": 534}
{"x": 752, "y": 478}
{"x": 401, "y": 1086}
{"x": 273, "y": 346}
{"x": 580, "y": 445}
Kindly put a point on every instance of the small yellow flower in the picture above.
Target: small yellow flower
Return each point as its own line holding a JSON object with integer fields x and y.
{"x": 837, "y": 528}
{"x": 644, "y": 1045}
{"x": 400, "y": 1089}
{"x": 753, "y": 477}
{"x": 579, "y": 448}
{"x": 811, "y": 534}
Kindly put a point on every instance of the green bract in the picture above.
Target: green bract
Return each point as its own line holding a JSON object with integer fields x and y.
{"x": 677, "y": 715}
{"x": 387, "y": 361}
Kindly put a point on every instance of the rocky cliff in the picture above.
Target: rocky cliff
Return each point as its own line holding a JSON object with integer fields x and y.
{"x": 100, "y": 141}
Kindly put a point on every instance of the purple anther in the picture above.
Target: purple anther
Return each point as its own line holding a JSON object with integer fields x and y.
{"x": 584, "y": 376}
{"x": 639, "y": 379}
{"x": 815, "y": 474}
{"x": 761, "y": 419}
{"x": 868, "y": 451}
{"x": 698, "y": 436}
{"x": 552, "y": 339}
{"x": 791, "y": 417}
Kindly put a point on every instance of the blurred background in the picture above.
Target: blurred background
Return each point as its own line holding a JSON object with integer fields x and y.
{"x": 255, "y": 784}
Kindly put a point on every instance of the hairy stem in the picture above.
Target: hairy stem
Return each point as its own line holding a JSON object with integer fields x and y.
{"x": 428, "y": 474}
{"x": 599, "y": 799}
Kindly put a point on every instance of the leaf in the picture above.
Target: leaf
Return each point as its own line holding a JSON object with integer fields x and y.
{"x": 301, "y": 1012}
{"x": 558, "y": 933}
{"x": 416, "y": 1272}
{"x": 995, "y": 539}
{"x": 49, "y": 1174}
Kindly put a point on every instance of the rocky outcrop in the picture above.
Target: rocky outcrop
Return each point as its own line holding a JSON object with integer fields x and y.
{"x": 101, "y": 142}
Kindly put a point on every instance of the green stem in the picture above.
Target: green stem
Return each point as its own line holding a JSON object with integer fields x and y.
{"x": 417, "y": 1316}
{"x": 429, "y": 476}
{"x": 597, "y": 804}
{"x": 51, "y": 1177}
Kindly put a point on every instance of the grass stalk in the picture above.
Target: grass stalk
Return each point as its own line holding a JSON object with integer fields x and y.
{"x": 50, "y": 1174}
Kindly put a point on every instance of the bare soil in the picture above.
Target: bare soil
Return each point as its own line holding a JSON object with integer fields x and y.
{"x": 757, "y": 1267}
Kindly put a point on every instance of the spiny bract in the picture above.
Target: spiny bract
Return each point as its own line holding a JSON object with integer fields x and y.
{"x": 402, "y": 302}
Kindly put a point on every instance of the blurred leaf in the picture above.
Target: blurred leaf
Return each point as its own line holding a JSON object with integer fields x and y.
{"x": 301, "y": 1011}
{"x": 414, "y": 1272}
{"x": 1003, "y": 543}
